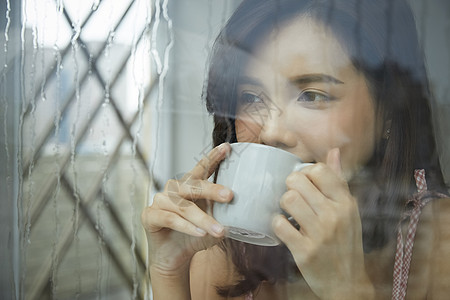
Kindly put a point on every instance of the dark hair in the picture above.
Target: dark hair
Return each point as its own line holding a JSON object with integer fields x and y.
{"x": 381, "y": 40}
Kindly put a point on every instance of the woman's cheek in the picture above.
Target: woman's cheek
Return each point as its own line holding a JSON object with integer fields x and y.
{"x": 247, "y": 131}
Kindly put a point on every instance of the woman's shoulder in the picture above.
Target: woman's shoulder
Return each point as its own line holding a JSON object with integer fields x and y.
{"x": 435, "y": 221}
{"x": 441, "y": 220}
{"x": 210, "y": 269}
{"x": 437, "y": 215}
{"x": 441, "y": 202}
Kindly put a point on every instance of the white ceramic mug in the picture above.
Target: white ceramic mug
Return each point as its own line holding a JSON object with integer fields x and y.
{"x": 257, "y": 176}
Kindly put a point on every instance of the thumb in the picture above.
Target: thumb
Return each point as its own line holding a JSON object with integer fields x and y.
{"x": 334, "y": 161}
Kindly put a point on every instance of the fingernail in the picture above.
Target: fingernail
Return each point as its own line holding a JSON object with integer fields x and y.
{"x": 224, "y": 193}
{"x": 201, "y": 231}
{"x": 217, "y": 228}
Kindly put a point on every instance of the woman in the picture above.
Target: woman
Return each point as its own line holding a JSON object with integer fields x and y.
{"x": 341, "y": 84}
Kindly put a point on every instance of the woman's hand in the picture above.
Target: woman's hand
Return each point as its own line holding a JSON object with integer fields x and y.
{"x": 328, "y": 247}
{"x": 177, "y": 225}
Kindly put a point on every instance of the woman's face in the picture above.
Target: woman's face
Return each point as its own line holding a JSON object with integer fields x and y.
{"x": 300, "y": 92}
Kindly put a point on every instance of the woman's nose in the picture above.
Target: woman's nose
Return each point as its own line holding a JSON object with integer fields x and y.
{"x": 277, "y": 132}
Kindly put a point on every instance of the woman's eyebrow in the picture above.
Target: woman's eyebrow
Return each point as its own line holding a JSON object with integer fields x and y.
{"x": 297, "y": 80}
{"x": 249, "y": 80}
{"x": 315, "y": 78}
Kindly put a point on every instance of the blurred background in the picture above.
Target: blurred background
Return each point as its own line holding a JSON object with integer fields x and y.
{"x": 100, "y": 104}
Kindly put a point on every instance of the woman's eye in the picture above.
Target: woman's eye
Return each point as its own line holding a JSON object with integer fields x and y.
{"x": 312, "y": 96}
{"x": 249, "y": 98}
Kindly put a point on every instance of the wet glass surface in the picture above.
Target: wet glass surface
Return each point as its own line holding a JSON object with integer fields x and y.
{"x": 101, "y": 103}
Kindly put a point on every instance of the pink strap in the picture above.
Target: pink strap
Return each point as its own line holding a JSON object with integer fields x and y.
{"x": 404, "y": 251}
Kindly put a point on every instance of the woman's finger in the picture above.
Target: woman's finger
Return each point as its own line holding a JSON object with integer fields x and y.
{"x": 208, "y": 164}
{"x": 334, "y": 162}
{"x": 327, "y": 181}
{"x": 299, "y": 182}
{"x": 290, "y": 236}
{"x": 191, "y": 212}
{"x": 294, "y": 204}
{"x": 196, "y": 189}
{"x": 154, "y": 220}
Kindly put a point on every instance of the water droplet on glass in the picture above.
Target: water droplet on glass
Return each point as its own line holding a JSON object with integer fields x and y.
{"x": 107, "y": 97}
{"x": 95, "y": 5}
